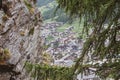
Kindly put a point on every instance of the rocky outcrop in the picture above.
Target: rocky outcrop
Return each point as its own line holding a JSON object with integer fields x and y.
{"x": 20, "y": 23}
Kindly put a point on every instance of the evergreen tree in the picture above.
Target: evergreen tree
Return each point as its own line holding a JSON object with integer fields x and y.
{"x": 101, "y": 50}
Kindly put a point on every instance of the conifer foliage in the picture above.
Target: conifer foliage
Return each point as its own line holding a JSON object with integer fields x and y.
{"x": 101, "y": 50}
{"x": 47, "y": 72}
{"x": 102, "y": 47}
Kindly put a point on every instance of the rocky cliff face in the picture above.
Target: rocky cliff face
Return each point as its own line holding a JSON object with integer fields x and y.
{"x": 20, "y": 23}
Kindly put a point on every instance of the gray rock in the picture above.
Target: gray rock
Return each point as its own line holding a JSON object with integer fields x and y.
{"x": 16, "y": 38}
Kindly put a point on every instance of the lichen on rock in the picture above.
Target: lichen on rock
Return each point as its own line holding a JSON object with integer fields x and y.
{"x": 16, "y": 21}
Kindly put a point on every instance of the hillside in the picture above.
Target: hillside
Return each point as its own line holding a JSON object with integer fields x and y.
{"x": 43, "y": 2}
{"x": 48, "y": 13}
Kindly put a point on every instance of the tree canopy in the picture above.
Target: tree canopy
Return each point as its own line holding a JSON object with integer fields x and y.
{"x": 101, "y": 50}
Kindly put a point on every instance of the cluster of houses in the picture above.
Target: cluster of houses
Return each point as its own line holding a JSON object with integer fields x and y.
{"x": 63, "y": 46}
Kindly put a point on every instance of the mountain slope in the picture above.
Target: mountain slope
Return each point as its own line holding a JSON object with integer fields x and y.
{"x": 48, "y": 15}
{"x": 43, "y": 2}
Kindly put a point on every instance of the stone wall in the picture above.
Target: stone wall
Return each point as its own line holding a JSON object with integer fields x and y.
{"x": 20, "y": 23}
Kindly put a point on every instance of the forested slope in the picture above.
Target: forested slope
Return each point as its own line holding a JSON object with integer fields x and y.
{"x": 43, "y": 2}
